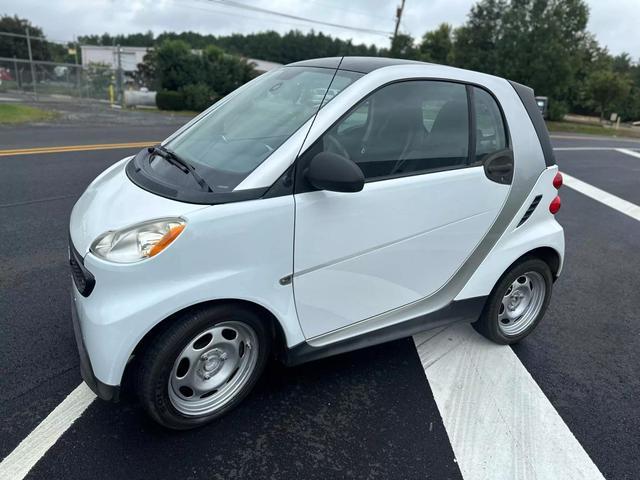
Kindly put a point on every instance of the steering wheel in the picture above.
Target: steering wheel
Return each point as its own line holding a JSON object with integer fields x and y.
{"x": 333, "y": 145}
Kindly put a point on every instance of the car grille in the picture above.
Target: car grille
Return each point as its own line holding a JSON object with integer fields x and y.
{"x": 82, "y": 277}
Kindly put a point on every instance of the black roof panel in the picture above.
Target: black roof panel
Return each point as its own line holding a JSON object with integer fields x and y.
{"x": 355, "y": 64}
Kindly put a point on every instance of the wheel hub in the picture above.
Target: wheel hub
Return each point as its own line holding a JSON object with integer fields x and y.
{"x": 212, "y": 368}
{"x": 521, "y": 303}
{"x": 211, "y": 363}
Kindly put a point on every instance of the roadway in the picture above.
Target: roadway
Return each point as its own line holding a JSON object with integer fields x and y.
{"x": 367, "y": 414}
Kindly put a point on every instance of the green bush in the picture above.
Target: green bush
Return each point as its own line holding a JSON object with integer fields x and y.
{"x": 169, "y": 100}
{"x": 557, "y": 110}
{"x": 197, "y": 97}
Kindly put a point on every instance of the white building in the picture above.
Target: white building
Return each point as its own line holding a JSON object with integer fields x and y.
{"x": 130, "y": 57}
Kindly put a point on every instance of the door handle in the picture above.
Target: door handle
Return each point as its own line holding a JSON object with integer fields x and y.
{"x": 499, "y": 167}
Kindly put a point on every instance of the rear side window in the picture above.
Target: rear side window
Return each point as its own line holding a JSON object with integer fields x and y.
{"x": 491, "y": 135}
{"x": 403, "y": 129}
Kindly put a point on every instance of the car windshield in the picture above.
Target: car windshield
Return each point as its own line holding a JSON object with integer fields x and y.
{"x": 226, "y": 145}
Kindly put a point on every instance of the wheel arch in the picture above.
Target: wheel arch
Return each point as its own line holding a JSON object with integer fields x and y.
{"x": 501, "y": 261}
{"x": 548, "y": 254}
{"x": 277, "y": 332}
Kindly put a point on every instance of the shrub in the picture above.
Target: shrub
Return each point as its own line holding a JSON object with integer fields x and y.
{"x": 169, "y": 100}
{"x": 557, "y": 110}
{"x": 198, "y": 97}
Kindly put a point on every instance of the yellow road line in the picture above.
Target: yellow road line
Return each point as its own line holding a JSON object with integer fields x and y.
{"x": 73, "y": 148}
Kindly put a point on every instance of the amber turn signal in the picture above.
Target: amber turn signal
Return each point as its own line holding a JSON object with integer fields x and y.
{"x": 166, "y": 240}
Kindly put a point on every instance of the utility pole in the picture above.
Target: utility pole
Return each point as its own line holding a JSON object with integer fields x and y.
{"x": 16, "y": 72}
{"x": 398, "y": 18}
{"x": 78, "y": 68}
{"x": 120, "y": 76}
{"x": 33, "y": 70}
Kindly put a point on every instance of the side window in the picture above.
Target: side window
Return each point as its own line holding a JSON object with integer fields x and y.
{"x": 404, "y": 128}
{"x": 356, "y": 119}
{"x": 490, "y": 132}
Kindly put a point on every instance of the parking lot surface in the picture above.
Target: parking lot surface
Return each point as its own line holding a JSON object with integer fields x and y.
{"x": 367, "y": 414}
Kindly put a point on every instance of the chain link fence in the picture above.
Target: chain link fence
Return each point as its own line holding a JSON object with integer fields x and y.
{"x": 51, "y": 78}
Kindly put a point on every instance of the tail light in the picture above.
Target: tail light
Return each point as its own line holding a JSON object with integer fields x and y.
{"x": 556, "y": 203}
{"x": 557, "y": 181}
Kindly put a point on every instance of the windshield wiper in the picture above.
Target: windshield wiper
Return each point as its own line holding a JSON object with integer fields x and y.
{"x": 173, "y": 158}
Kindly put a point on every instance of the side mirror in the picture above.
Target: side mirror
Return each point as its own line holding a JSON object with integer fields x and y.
{"x": 333, "y": 172}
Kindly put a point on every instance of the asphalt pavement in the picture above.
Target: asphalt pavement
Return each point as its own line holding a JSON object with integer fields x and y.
{"x": 366, "y": 414}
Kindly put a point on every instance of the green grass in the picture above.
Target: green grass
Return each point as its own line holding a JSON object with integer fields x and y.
{"x": 569, "y": 127}
{"x": 16, "y": 113}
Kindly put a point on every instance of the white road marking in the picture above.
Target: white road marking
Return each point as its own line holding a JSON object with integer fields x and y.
{"x": 626, "y": 151}
{"x": 606, "y": 198}
{"x": 500, "y": 424}
{"x": 595, "y": 138}
{"x": 19, "y": 462}
{"x": 571, "y": 149}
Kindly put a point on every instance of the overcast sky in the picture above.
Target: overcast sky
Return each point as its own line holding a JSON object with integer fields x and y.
{"x": 616, "y": 23}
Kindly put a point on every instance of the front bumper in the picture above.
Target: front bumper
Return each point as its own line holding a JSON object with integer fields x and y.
{"x": 102, "y": 390}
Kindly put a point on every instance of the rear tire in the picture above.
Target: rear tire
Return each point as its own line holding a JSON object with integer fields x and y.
{"x": 203, "y": 365}
{"x": 517, "y": 303}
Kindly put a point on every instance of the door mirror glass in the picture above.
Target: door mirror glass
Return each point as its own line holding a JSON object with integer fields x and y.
{"x": 333, "y": 172}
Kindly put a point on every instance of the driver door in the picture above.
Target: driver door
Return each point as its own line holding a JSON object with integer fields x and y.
{"x": 425, "y": 205}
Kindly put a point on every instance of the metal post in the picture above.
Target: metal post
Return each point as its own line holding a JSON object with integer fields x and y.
{"x": 75, "y": 53}
{"x": 16, "y": 72}
{"x": 33, "y": 70}
{"x": 119, "y": 77}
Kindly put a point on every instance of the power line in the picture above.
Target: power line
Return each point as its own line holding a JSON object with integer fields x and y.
{"x": 235, "y": 4}
{"x": 21, "y": 35}
{"x": 350, "y": 10}
{"x": 236, "y": 14}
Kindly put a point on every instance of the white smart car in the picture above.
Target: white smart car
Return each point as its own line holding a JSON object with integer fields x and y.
{"x": 326, "y": 206}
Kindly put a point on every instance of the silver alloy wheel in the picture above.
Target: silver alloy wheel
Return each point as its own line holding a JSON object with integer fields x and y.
{"x": 521, "y": 303}
{"x": 213, "y": 368}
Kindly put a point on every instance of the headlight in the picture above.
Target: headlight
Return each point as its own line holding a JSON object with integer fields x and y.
{"x": 139, "y": 241}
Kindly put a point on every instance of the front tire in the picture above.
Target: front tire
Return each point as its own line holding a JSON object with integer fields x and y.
{"x": 203, "y": 365}
{"x": 517, "y": 303}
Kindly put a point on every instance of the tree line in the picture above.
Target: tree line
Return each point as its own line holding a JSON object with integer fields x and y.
{"x": 541, "y": 43}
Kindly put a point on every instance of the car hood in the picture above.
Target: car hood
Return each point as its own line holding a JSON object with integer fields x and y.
{"x": 112, "y": 201}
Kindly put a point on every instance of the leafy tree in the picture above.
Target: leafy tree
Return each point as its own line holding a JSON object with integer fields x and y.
{"x": 590, "y": 57}
{"x": 403, "y": 46}
{"x": 606, "y": 88}
{"x": 199, "y": 76}
{"x": 17, "y": 46}
{"x": 145, "y": 74}
{"x": 535, "y": 42}
{"x": 476, "y": 42}
{"x": 130, "y": 40}
{"x": 269, "y": 45}
{"x": 224, "y": 73}
{"x": 437, "y": 45}
{"x": 175, "y": 65}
